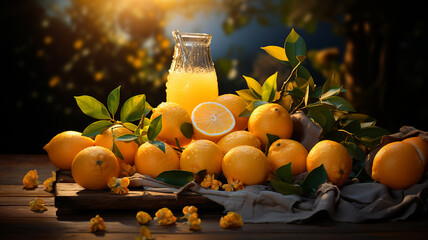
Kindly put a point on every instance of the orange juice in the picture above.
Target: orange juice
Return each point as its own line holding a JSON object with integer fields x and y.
{"x": 188, "y": 89}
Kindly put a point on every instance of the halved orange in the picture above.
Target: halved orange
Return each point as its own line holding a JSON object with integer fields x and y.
{"x": 211, "y": 121}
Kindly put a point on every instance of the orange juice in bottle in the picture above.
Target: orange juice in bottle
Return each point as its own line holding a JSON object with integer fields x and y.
{"x": 192, "y": 78}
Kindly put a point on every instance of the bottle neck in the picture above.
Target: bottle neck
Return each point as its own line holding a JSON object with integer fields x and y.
{"x": 194, "y": 55}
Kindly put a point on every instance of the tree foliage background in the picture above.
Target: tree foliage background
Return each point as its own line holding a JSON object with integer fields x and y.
{"x": 54, "y": 50}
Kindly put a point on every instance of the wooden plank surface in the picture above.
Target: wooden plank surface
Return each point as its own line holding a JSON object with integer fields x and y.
{"x": 18, "y": 222}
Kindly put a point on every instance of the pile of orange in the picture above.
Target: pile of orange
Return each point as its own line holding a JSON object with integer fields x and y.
{"x": 223, "y": 142}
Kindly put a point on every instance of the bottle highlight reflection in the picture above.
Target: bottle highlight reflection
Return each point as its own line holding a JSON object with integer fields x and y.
{"x": 192, "y": 78}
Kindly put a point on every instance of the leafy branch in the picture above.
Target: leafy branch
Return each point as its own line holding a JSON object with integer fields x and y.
{"x": 134, "y": 109}
{"x": 322, "y": 104}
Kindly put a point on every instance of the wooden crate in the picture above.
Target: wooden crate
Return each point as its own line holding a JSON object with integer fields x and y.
{"x": 70, "y": 196}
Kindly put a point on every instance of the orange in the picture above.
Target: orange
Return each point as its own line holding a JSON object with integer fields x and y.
{"x": 284, "y": 151}
{"x": 211, "y": 121}
{"x": 246, "y": 164}
{"x": 398, "y": 165}
{"x": 150, "y": 160}
{"x": 336, "y": 160}
{"x": 421, "y": 146}
{"x": 238, "y": 138}
{"x": 127, "y": 149}
{"x": 201, "y": 155}
{"x": 270, "y": 118}
{"x": 93, "y": 167}
{"x": 64, "y": 146}
{"x": 173, "y": 116}
{"x": 236, "y": 105}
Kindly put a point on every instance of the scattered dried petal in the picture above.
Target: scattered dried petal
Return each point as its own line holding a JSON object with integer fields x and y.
{"x": 194, "y": 222}
{"x": 31, "y": 179}
{"x": 143, "y": 217}
{"x": 164, "y": 216}
{"x": 206, "y": 183}
{"x": 127, "y": 170}
{"x": 97, "y": 224}
{"x": 232, "y": 219}
{"x": 187, "y": 210}
{"x": 48, "y": 183}
{"x": 215, "y": 184}
{"x": 119, "y": 185}
{"x": 233, "y": 185}
{"x": 145, "y": 234}
{"x": 210, "y": 182}
{"x": 38, "y": 205}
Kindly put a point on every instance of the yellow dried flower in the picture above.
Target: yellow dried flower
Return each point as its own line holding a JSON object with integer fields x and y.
{"x": 232, "y": 219}
{"x": 38, "y": 205}
{"x": 164, "y": 216}
{"x": 97, "y": 224}
{"x": 145, "y": 234}
{"x": 227, "y": 187}
{"x": 119, "y": 185}
{"x": 187, "y": 210}
{"x": 127, "y": 170}
{"x": 210, "y": 182}
{"x": 31, "y": 179}
{"x": 194, "y": 222}
{"x": 233, "y": 185}
{"x": 190, "y": 213}
{"x": 143, "y": 217}
{"x": 48, "y": 183}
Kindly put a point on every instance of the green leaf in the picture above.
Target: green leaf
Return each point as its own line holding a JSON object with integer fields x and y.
{"x": 333, "y": 91}
{"x": 246, "y": 94}
{"x": 302, "y": 72}
{"x": 269, "y": 88}
{"x": 158, "y": 144}
{"x": 127, "y": 138}
{"x": 294, "y": 46}
{"x": 176, "y": 178}
{"x": 371, "y": 136}
{"x": 92, "y": 107}
{"x": 187, "y": 130}
{"x": 284, "y": 173}
{"x": 96, "y": 128}
{"x": 322, "y": 116}
{"x": 276, "y": 52}
{"x": 250, "y": 108}
{"x": 202, "y": 174}
{"x": 286, "y": 188}
{"x": 133, "y": 109}
{"x": 306, "y": 98}
{"x": 154, "y": 128}
{"x": 353, "y": 149}
{"x": 352, "y": 126}
{"x": 271, "y": 139}
{"x": 116, "y": 150}
{"x": 113, "y": 101}
{"x": 254, "y": 86}
{"x": 178, "y": 145}
{"x": 340, "y": 103}
{"x": 314, "y": 179}
{"x": 327, "y": 85}
{"x": 130, "y": 126}
{"x": 365, "y": 120}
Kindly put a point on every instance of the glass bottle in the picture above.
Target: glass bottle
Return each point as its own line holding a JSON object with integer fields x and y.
{"x": 192, "y": 78}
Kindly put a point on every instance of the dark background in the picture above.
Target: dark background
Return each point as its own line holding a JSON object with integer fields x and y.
{"x": 53, "y": 50}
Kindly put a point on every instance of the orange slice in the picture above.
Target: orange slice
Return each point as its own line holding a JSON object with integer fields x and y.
{"x": 211, "y": 121}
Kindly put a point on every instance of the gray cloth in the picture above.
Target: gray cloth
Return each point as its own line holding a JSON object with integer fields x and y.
{"x": 357, "y": 202}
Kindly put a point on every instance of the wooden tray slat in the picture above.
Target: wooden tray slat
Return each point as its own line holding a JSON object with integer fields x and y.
{"x": 69, "y": 195}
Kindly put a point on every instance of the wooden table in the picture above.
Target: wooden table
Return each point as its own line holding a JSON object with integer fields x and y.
{"x": 18, "y": 222}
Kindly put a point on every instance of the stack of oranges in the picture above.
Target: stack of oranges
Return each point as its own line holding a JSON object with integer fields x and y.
{"x": 224, "y": 142}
